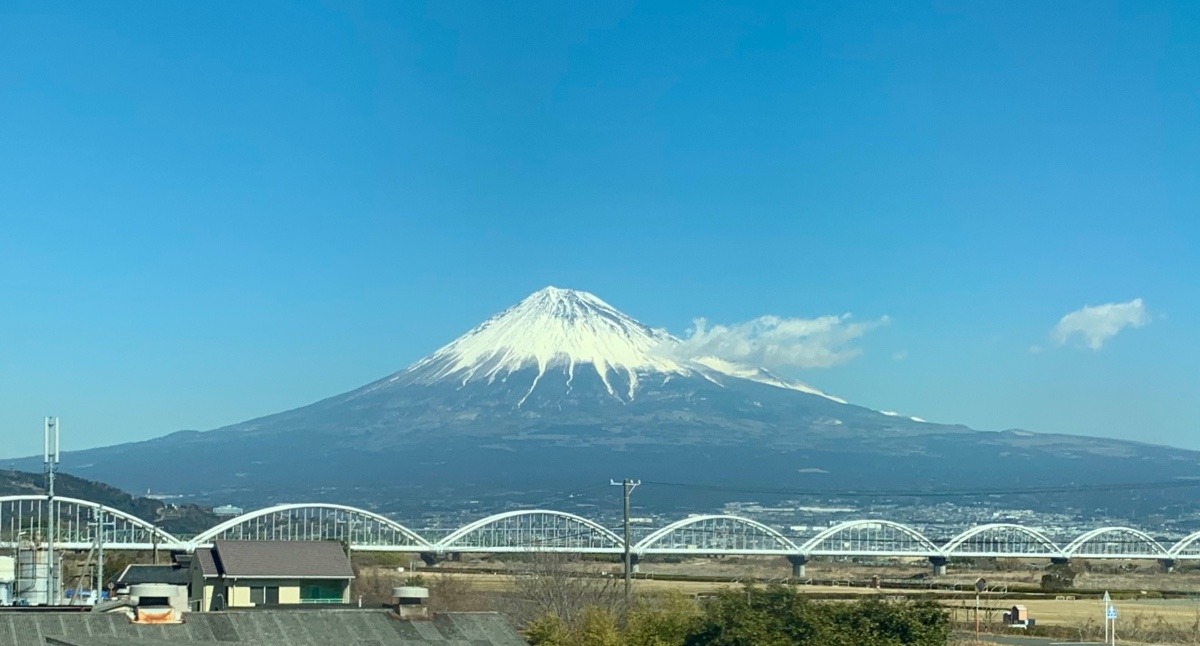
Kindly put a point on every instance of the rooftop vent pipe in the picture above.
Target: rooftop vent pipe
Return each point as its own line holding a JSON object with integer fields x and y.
{"x": 410, "y": 602}
{"x": 152, "y": 603}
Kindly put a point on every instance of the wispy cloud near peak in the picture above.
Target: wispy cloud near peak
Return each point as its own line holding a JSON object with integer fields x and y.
{"x": 1095, "y": 324}
{"x": 777, "y": 342}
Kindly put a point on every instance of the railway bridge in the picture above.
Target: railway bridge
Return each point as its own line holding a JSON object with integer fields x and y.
{"x": 83, "y": 525}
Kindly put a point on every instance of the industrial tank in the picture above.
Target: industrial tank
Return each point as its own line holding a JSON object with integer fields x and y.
{"x": 8, "y": 577}
{"x": 33, "y": 575}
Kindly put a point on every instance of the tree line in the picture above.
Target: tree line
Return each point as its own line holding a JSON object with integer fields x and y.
{"x": 754, "y": 616}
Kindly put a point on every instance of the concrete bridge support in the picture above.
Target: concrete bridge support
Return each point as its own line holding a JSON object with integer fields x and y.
{"x": 1060, "y": 560}
{"x": 798, "y": 562}
{"x": 1167, "y": 565}
{"x": 431, "y": 559}
{"x": 939, "y": 565}
{"x": 633, "y": 563}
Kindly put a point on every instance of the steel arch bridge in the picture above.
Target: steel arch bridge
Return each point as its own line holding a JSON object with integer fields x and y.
{"x": 358, "y": 528}
{"x": 1118, "y": 543}
{"x": 870, "y": 538}
{"x": 81, "y": 524}
{"x": 1003, "y": 539}
{"x": 715, "y": 535}
{"x": 535, "y": 530}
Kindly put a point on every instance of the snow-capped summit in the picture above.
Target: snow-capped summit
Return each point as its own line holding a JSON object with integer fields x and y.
{"x": 551, "y": 328}
{"x": 569, "y": 330}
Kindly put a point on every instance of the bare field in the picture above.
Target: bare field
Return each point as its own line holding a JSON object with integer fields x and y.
{"x": 1142, "y": 616}
{"x": 1094, "y": 576}
{"x": 504, "y": 583}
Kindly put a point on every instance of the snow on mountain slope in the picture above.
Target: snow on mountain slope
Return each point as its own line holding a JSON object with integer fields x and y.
{"x": 575, "y": 330}
{"x": 761, "y": 376}
{"x": 552, "y": 327}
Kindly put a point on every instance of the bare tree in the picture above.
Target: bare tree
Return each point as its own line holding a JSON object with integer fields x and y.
{"x": 373, "y": 584}
{"x": 560, "y": 585}
{"x": 450, "y": 593}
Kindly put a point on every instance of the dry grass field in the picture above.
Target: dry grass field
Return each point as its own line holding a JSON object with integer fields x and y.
{"x": 1143, "y": 616}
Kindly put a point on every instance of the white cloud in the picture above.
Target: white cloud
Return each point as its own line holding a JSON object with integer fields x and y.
{"x": 1096, "y": 324}
{"x": 776, "y": 342}
{"x": 900, "y": 356}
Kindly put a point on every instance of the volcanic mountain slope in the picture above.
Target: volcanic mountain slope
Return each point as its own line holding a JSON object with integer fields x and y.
{"x": 563, "y": 390}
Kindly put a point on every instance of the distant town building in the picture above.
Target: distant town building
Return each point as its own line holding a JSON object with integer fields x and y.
{"x": 228, "y": 510}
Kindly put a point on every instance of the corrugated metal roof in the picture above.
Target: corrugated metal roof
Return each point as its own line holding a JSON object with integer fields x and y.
{"x": 259, "y": 628}
{"x": 279, "y": 560}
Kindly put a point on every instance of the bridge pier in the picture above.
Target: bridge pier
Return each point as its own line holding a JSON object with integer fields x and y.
{"x": 1060, "y": 560}
{"x": 1167, "y": 565}
{"x": 939, "y": 565}
{"x": 798, "y": 562}
{"x": 633, "y": 563}
{"x": 430, "y": 559}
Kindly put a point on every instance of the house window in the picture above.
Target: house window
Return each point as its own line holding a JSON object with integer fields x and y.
{"x": 321, "y": 593}
{"x": 264, "y": 595}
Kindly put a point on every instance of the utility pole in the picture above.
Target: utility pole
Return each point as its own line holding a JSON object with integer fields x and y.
{"x": 627, "y": 487}
{"x": 100, "y": 523}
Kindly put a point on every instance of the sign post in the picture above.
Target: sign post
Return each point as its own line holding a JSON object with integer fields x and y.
{"x": 980, "y": 586}
{"x": 1110, "y": 620}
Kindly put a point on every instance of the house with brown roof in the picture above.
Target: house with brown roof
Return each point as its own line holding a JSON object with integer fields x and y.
{"x": 247, "y": 574}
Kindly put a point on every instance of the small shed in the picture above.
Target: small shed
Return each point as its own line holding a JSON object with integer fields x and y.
{"x": 1018, "y": 616}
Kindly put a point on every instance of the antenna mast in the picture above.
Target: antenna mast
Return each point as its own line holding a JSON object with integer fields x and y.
{"x": 50, "y": 435}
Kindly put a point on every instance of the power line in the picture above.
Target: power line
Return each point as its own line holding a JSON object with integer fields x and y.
{"x": 946, "y": 493}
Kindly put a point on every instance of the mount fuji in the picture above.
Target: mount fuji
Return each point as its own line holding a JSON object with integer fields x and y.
{"x": 563, "y": 391}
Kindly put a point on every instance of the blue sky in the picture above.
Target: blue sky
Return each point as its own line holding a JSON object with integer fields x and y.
{"x": 214, "y": 211}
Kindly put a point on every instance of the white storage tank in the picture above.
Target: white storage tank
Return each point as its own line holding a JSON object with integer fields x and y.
{"x": 8, "y": 576}
{"x": 33, "y": 573}
{"x": 8, "y": 569}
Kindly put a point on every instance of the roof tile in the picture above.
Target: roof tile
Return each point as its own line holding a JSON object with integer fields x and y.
{"x": 280, "y": 559}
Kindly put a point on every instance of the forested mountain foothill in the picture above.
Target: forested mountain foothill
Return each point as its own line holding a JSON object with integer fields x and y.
{"x": 172, "y": 518}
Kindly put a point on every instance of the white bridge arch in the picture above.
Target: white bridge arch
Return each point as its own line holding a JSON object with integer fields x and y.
{"x": 1188, "y": 547}
{"x": 359, "y": 528}
{"x": 532, "y": 530}
{"x": 716, "y": 534}
{"x": 1002, "y": 539}
{"x": 1116, "y": 543}
{"x": 80, "y": 524}
{"x": 870, "y": 538}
